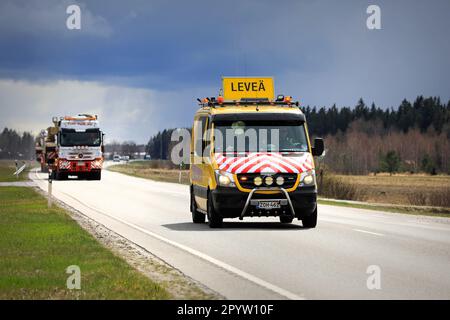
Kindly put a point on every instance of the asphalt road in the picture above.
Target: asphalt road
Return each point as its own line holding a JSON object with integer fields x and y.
{"x": 259, "y": 258}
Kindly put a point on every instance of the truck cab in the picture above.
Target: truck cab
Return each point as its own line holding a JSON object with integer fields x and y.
{"x": 252, "y": 158}
{"x": 79, "y": 148}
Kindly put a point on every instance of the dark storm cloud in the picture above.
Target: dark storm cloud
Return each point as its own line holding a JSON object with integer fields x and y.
{"x": 320, "y": 51}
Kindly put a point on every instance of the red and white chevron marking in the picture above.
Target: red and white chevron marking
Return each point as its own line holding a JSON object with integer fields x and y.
{"x": 264, "y": 162}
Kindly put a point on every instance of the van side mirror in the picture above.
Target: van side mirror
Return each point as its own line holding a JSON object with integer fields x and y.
{"x": 318, "y": 148}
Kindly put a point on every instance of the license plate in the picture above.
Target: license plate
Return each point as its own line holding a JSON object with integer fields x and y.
{"x": 80, "y": 163}
{"x": 268, "y": 205}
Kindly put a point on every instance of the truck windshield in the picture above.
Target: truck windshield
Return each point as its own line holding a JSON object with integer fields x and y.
{"x": 91, "y": 138}
{"x": 260, "y": 136}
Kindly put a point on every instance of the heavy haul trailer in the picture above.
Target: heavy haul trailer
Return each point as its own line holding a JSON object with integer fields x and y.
{"x": 72, "y": 147}
{"x": 273, "y": 177}
{"x": 46, "y": 147}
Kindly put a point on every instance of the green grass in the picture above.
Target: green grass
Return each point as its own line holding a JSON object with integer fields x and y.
{"x": 37, "y": 244}
{"x": 144, "y": 169}
{"x": 7, "y": 168}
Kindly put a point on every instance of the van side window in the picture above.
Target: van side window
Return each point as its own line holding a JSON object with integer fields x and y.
{"x": 199, "y": 131}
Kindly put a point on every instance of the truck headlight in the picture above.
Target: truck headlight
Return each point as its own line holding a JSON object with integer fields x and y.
{"x": 225, "y": 179}
{"x": 308, "y": 178}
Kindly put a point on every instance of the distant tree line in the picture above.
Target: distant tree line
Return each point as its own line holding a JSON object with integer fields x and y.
{"x": 15, "y": 145}
{"x": 160, "y": 145}
{"x": 126, "y": 148}
{"x": 423, "y": 114}
{"x": 414, "y": 137}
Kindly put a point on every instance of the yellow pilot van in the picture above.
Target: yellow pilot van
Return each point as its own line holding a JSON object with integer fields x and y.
{"x": 251, "y": 156}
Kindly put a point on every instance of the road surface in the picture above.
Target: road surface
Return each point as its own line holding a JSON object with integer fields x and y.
{"x": 259, "y": 258}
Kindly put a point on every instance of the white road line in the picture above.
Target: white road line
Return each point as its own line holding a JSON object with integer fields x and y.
{"x": 369, "y": 232}
{"x": 201, "y": 255}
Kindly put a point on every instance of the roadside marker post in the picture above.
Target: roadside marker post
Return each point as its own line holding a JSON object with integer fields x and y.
{"x": 50, "y": 187}
{"x": 19, "y": 170}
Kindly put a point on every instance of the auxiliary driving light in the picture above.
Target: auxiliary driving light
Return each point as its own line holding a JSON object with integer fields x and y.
{"x": 280, "y": 181}
{"x": 268, "y": 181}
{"x": 257, "y": 181}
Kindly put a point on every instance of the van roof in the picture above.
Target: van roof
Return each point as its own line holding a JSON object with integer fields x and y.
{"x": 262, "y": 108}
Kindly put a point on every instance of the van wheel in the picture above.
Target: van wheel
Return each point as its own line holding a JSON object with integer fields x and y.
{"x": 310, "y": 221}
{"x": 197, "y": 217}
{"x": 214, "y": 220}
{"x": 286, "y": 219}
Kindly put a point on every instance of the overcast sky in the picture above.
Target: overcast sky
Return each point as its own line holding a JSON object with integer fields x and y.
{"x": 141, "y": 64}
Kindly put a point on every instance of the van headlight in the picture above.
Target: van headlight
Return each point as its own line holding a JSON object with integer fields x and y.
{"x": 224, "y": 179}
{"x": 308, "y": 178}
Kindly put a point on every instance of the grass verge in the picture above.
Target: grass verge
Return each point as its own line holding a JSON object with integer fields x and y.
{"x": 425, "y": 211}
{"x": 37, "y": 245}
{"x": 143, "y": 169}
{"x": 7, "y": 168}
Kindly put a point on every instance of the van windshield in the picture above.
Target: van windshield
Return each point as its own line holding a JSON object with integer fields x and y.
{"x": 260, "y": 136}
{"x": 91, "y": 138}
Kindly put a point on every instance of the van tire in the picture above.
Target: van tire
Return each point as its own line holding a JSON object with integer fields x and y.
{"x": 286, "y": 219}
{"x": 310, "y": 221}
{"x": 214, "y": 219}
{"x": 197, "y": 217}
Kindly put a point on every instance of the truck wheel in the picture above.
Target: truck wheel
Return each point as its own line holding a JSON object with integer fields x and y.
{"x": 286, "y": 219}
{"x": 197, "y": 217}
{"x": 310, "y": 221}
{"x": 214, "y": 220}
{"x": 62, "y": 175}
{"x": 94, "y": 175}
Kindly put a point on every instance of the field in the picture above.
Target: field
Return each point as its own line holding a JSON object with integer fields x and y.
{"x": 152, "y": 170}
{"x": 7, "y": 168}
{"x": 404, "y": 189}
{"x": 37, "y": 244}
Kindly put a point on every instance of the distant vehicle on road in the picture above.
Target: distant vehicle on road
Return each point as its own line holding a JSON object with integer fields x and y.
{"x": 126, "y": 158}
{"x": 147, "y": 157}
{"x": 72, "y": 146}
{"x": 116, "y": 158}
{"x": 274, "y": 176}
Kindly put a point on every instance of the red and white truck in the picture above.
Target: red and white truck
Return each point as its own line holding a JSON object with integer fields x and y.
{"x": 72, "y": 147}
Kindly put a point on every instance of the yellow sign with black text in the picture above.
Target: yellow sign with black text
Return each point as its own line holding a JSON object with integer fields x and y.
{"x": 250, "y": 88}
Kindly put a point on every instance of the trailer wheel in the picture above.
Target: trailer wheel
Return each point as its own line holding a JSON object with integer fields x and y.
{"x": 197, "y": 217}
{"x": 52, "y": 175}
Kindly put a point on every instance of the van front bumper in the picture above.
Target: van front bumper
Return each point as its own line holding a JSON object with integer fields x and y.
{"x": 230, "y": 203}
